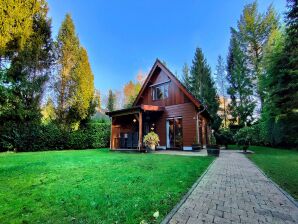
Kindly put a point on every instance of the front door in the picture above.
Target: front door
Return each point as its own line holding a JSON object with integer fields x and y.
{"x": 174, "y": 133}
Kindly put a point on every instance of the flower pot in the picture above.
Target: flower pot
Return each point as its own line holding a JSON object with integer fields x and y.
{"x": 213, "y": 150}
{"x": 196, "y": 147}
{"x": 152, "y": 147}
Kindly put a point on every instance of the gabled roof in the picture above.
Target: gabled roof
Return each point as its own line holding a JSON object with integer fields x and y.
{"x": 159, "y": 64}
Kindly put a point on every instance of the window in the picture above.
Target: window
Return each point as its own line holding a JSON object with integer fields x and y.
{"x": 160, "y": 92}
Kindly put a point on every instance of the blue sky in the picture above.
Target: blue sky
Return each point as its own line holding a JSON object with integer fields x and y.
{"x": 125, "y": 37}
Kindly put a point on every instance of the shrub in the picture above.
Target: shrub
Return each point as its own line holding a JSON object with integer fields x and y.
{"x": 51, "y": 137}
{"x": 224, "y": 137}
{"x": 248, "y": 136}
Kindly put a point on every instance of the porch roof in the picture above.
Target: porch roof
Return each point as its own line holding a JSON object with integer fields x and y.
{"x": 135, "y": 109}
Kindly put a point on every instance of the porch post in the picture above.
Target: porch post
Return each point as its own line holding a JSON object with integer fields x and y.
{"x": 111, "y": 135}
{"x": 140, "y": 130}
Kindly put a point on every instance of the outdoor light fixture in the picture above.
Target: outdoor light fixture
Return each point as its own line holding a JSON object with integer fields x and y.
{"x": 134, "y": 120}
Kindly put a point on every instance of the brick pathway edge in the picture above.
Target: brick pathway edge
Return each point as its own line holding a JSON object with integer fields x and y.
{"x": 184, "y": 198}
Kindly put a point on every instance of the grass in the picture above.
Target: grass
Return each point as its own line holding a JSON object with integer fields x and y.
{"x": 93, "y": 186}
{"x": 280, "y": 165}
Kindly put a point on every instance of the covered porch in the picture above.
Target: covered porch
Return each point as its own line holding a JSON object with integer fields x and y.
{"x": 128, "y": 126}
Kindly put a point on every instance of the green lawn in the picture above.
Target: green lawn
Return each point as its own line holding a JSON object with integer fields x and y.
{"x": 280, "y": 165}
{"x": 93, "y": 186}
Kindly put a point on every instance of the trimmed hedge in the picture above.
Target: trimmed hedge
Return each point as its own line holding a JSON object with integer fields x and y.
{"x": 51, "y": 137}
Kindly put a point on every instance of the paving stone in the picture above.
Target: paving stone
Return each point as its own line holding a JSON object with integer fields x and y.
{"x": 215, "y": 212}
{"x": 235, "y": 191}
{"x": 221, "y": 220}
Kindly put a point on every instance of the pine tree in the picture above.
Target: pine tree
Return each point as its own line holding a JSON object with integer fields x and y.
{"x": 68, "y": 48}
{"x": 111, "y": 101}
{"x": 202, "y": 85}
{"x": 185, "y": 76}
{"x": 254, "y": 29}
{"x": 222, "y": 86}
{"x": 240, "y": 90}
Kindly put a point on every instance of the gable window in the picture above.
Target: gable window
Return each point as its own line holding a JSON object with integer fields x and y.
{"x": 160, "y": 92}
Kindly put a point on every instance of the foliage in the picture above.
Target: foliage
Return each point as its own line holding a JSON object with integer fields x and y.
{"x": 106, "y": 187}
{"x": 48, "y": 112}
{"x": 224, "y": 137}
{"x": 19, "y": 19}
{"x": 254, "y": 29}
{"x": 50, "y": 136}
{"x": 240, "y": 90}
{"x": 111, "y": 101}
{"x": 201, "y": 84}
{"x": 222, "y": 88}
{"x": 247, "y": 136}
{"x": 83, "y": 89}
{"x": 131, "y": 90}
{"x": 68, "y": 51}
{"x": 151, "y": 139}
{"x": 23, "y": 83}
{"x": 280, "y": 115}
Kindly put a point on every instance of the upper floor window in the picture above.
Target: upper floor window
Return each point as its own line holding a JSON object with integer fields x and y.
{"x": 160, "y": 92}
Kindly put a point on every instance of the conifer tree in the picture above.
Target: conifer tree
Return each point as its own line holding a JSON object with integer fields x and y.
{"x": 202, "y": 85}
{"x": 111, "y": 101}
{"x": 280, "y": 117}
{"x": 23, "y": 84}
{"x": 68, "y": 49}
{"x": 83, "y": 89}
{"x": 240, "y": 89}
{"x": 17, "y": 19}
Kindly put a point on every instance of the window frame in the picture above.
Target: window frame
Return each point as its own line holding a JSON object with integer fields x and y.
{"x": 164, "y": 87}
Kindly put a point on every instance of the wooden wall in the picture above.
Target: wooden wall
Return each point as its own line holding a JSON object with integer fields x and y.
{"x": 176, "y": 96}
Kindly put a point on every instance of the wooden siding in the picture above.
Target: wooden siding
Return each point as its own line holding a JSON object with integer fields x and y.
{"x": 175, "y": 96}
{"x": 188, "y": 112}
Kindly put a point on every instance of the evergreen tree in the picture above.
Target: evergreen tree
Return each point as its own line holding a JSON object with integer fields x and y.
{"x": 17, "y": 19}
{"x": 68, "y": 49}
{"x": 254, "y": 29}
{"x": 23, "y": 82}
{"x": 185, "y": 76}
{"x": 280, "y": 119}
{"x": 111, "y": 101}
{"x": 202, "y": 85}
{"x": 222, "y": 86}
{"x": 83, "y": 90}
{"x": 240, "y": 90}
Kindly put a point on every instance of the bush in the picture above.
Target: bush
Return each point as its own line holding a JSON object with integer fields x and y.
{"x": 224, "y": 137}
{"x": 248, "y": 136}
{"x": 51, "y": 137}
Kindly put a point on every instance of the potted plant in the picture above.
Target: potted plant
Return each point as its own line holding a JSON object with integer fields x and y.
{"x": 151, "y": 140}
{"x": 195, "y": 145}
{"x": 213, "y": 149}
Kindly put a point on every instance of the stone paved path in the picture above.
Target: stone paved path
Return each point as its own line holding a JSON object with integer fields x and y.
{"x": 235, "y": 191}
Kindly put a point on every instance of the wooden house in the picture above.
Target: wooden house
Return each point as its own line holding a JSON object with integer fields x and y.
{"x": 164, "y": 106}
